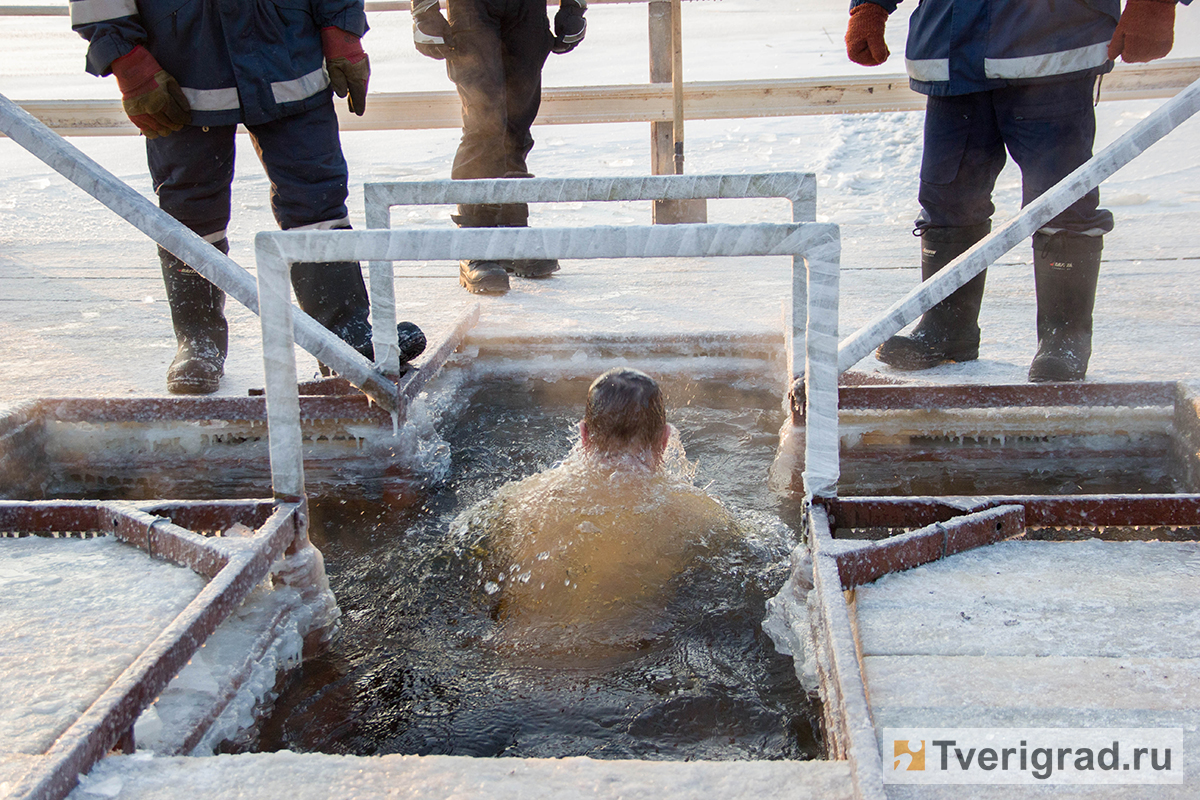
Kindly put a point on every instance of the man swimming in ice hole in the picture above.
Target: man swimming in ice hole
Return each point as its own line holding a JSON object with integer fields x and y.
{"x": 582, "y": 556}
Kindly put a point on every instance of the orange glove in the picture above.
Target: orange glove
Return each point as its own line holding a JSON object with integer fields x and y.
{"x": 348, "y": 66}
{"x": 152, "y": 99}
{"x": 1145, "y": 31}
{"x": 864, "y": 35}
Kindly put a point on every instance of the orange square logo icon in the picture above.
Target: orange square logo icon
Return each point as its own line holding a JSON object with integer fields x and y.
{"x": 908, "y": 755}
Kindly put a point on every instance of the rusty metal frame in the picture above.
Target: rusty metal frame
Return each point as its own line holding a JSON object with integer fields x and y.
{"x": 328, "y": 400}
{"x": 943, "y": 526}
{"x": 234, "y": 566}
{"x": 845, "y": 713}
{"x": 856, "y": 540}
{"x": 889, "y": 397}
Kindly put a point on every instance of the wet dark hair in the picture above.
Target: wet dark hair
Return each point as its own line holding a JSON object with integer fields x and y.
{"x": 624, "y": 410}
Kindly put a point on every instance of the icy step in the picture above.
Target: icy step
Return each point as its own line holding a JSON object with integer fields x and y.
{"x": 1015, "y": 684}
{"x": 1037, "y": 635}
{"x": 95, "y": 604}
{"x": 1103, "y": 599}
{"x": 294, "y": 776}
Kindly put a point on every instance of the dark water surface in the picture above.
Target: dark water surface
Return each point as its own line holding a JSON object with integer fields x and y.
{"x": 412, "y": 671}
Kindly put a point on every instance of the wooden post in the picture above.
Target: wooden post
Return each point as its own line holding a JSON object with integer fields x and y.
{"x": 664, "y": 54}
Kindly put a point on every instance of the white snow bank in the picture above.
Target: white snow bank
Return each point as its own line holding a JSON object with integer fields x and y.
{"x": 290, "y": 776}
{"x": 1023, "y": 598}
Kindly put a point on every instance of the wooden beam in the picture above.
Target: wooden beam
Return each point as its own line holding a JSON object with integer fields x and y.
{"x": 645, "y": 102}
{"x": 371, "y": 6}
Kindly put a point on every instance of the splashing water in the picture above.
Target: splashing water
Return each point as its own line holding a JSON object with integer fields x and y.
{"x": 430, "y": 662}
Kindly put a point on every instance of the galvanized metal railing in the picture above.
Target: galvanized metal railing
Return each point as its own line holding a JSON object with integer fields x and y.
{"x": 164, "y": 229}
{"x": 798, "y": 188}
{"x": 814, "y": 247}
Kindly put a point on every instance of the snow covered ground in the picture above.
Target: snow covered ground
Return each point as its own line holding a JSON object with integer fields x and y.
{"x": 83, "y": 312}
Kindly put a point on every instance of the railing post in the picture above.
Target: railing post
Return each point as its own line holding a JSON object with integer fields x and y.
{"x": 662, "y": 134}
{"x": 822, "y": 465}
{"x": 279, "y": 366}
{"x": 382, "y": 282}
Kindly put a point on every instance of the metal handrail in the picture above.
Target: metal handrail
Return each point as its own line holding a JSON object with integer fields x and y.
{"x": 1091, "y": 174}
{"x": 222, "y": 271}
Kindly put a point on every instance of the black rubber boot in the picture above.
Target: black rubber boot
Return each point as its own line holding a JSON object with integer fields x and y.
{"x": 202, "y": 334}
{"x": 482, "y": 276}
{"x": 410, "y": 341}
{"x": 334, "y": 295}
{"x": 532, "y": 267}
{"x": 950, "y": 330}
{"x": 1066, "y": 268}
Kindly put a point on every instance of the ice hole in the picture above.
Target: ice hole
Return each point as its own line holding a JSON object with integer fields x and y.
{"x": 417, "y": 669}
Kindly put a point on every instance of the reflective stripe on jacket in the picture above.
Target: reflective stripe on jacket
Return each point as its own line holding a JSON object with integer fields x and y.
{"x": 962, "y": 46}
{"x": 249, "y": 61}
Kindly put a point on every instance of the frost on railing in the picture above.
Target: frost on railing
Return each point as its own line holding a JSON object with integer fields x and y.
{"x": 814, "y": 248}
{"x": 798, "y": 188}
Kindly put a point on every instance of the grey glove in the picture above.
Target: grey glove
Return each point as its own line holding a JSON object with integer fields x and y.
{"x": 569, "y": 25}
{"x": 431, "y": 31}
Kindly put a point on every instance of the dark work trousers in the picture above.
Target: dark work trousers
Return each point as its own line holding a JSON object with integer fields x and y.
{"x": 1048, "y": 129}
{"x": 500, "y": 47}
{"x": 192, "y": 170}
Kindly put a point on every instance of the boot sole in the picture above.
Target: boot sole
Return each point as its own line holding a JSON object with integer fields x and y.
{"x": 1054, "y": 372}
{"x": 484, "y": 287}
{"x": 532, "y": 275}
{"x": 912, "y": 362}
{"x": 193, "y": 387}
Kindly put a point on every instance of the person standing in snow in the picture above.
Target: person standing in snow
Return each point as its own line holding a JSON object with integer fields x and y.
{"x": 189, "y": 73}
{"x": 1003, "y": 74}
{"x": 494, "y": 52}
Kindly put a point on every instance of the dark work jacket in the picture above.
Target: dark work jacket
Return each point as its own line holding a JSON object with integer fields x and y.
{"x": 963, "y": 46}
{"x": 248, "y": 61}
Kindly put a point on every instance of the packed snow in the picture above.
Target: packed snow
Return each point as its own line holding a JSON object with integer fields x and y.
{"x": 54, "y": 588}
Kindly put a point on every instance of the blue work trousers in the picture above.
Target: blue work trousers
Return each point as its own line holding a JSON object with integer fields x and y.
{"x": 1049, "y": 130}
{"x": 192, "y": 170}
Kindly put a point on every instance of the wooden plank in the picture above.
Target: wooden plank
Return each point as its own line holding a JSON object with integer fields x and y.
{"x": 644, "y": 102}
{"x": 372, "y": 6}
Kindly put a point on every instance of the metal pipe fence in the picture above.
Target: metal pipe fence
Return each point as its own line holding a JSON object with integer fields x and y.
{"x": 815, "y": 249}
